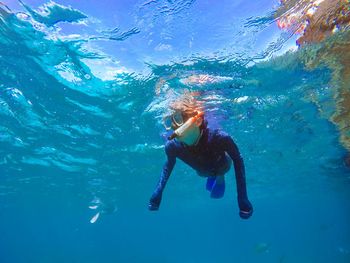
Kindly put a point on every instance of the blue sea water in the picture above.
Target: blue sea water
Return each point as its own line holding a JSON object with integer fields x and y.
{"x": 81, "y": 137}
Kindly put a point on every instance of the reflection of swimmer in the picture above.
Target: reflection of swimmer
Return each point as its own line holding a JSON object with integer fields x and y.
{"x": 198, "y": 79}
{"x": 202, "y": 79}
{"x": 207, "y": 151}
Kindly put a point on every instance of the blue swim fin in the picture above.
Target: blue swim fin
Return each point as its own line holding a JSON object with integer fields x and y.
{"x": 210, "y": 183}
{"x": 218, "y": 190}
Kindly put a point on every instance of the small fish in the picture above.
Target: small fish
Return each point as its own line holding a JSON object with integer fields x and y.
{"x": 101, "y": 208}
{"x": 262, "y": 248}
{"x": 343, "y": 250}
{"x": 94, "y": 218}
{"x": 324, "y": 227}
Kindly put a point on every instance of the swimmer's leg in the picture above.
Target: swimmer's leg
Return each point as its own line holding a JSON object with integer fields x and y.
{"x": 218, "y": 189}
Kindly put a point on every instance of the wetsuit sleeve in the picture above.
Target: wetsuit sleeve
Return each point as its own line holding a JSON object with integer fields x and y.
{"x": 167, "y": 169}
{"x": 233, "y": 151}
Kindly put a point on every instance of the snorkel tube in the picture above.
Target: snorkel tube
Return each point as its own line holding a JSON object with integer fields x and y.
{"x": 183, "y": 128}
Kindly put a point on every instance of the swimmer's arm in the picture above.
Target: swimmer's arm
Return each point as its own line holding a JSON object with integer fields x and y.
{"x": 167, "y": 169}
{"x": 246, "y": 209}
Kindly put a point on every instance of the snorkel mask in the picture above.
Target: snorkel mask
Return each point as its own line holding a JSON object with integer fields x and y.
{"x": 187, "y": 132}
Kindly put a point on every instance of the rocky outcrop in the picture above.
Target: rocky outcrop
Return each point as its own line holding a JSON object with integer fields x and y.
{"x": 324, "y": 23}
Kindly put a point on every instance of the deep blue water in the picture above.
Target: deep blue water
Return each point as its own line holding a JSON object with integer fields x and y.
{"x": 81, "y": 134}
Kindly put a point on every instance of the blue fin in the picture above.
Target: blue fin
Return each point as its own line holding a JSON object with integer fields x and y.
{"x": 218, "y": 190}
{"x": 210, "y": 183}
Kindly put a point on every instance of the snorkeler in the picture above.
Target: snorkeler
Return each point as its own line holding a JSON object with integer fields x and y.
{"x": 207, "y": 151}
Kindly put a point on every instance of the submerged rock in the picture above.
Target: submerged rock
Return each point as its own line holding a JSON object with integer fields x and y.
{"x": 325, "y": 24}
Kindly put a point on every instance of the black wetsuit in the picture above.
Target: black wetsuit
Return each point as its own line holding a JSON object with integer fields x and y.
{"x": 209, "y": 157}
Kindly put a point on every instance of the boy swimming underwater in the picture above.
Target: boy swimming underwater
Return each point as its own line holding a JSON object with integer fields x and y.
{"x": 207, "y": 151}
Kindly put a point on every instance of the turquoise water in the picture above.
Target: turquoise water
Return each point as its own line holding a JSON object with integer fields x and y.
{"x": 81, "y": 138}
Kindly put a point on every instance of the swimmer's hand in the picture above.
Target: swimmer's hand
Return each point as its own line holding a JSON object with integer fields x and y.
{"x": 154, "y": 202}
{"x": 245, "y": 207}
